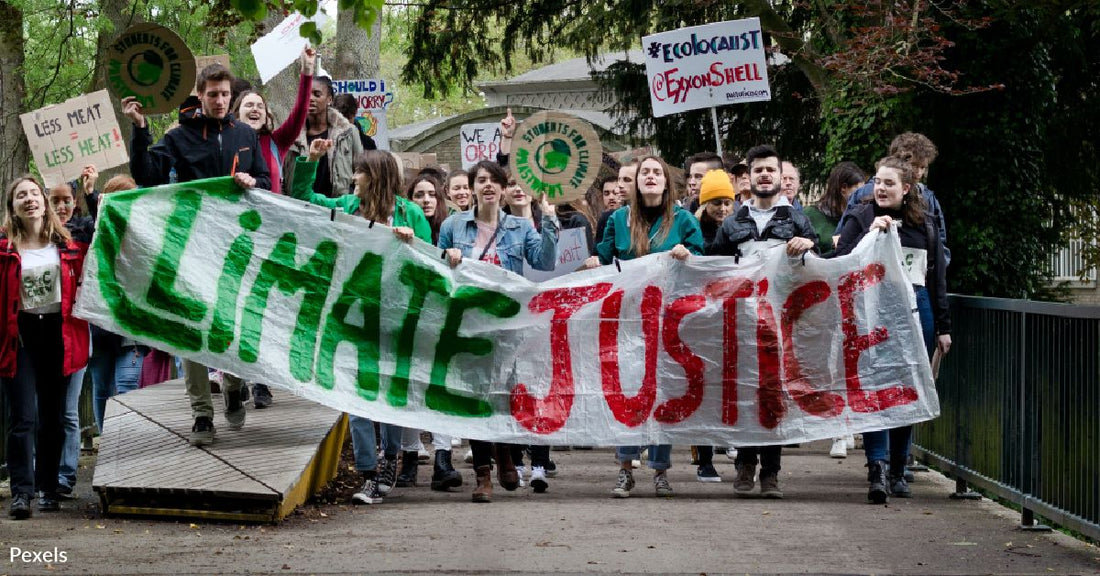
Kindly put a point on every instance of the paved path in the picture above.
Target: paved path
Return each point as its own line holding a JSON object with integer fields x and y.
{"x": 823, "y": 526}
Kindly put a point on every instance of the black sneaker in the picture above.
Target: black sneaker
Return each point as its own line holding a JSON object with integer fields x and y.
{"x": 20, "y": 507}
{"x": 64, "y": 491}
{"x": 368, "y": 493}
{"x": 234, "y": 408}
{"x": 387, "y": 475}
{"x": 202, "y": 432}
{"x": 261, "y": 395}
{"x": 551, "y": 468}
{"x": 48, "y": 502}
{"x": 899, "y": 487}
{"x": 707, "y": 473}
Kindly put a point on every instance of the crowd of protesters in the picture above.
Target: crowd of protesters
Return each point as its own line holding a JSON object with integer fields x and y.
{"x": 731, "y": 207}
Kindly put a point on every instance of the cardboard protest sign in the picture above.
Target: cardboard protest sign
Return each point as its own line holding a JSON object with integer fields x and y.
{"x": 477, "y": 142}
{"x": 66, "y": 137}
{"x": 763, "y": 350}
{"x": 705, "y": 66}
{"x": 204, "y": 61}
{"x": 374, "y": 98}
{"x": 152, "y": 64}
{"x": 572, "y": 252}
{"x": 283, "y": 45}
{"x": 557, "y": 155}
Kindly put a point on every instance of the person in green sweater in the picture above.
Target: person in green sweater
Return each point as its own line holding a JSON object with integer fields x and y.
{"x": 377, "y": 183}
{"x": 651, "y": 223}
{"x": 824, "y": 215}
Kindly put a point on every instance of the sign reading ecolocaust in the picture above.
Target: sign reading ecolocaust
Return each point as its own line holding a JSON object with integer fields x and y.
{"x": 706, "y": 66}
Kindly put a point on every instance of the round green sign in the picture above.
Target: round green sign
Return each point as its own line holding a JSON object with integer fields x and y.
{"x": 557, "y": 155}
{"x": 152, "y": 64}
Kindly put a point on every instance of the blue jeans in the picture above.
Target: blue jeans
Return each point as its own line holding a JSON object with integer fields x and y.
{"x": 363, "y": 442}
{"x": 70, "y": 449}
{"x": 893, "y": 445}
{"x": 113, "y": 374}
{"x": 660, "y": 455}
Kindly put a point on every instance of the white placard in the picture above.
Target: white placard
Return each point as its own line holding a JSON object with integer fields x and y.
{"x": 65, "y": 137}
{"x": 572, "y": 252}
{"x": 706, "y": 66}
{"x": 283, "y": 45}
{"x": 374, "y": 96}
{"x": 477, "y": 142}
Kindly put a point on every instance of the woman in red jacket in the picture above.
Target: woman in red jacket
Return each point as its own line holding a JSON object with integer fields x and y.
{"x": 40, "y": 341}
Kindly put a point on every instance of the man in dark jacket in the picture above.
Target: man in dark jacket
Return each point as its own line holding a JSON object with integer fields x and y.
{"x": 769, "y": 220}
{"x": 207, "y": 143}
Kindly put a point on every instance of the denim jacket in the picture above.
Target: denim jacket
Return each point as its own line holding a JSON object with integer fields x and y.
{"x": 516, "y": 242}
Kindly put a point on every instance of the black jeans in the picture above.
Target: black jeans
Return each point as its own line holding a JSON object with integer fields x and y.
{"x": 766, "y": 456}
{"x": 35, "y": 436}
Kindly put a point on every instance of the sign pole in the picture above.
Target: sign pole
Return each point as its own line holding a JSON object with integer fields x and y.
{"x": 717, "y": 135}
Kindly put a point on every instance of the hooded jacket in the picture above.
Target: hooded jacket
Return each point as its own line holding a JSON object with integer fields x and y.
{"x": 200, "y": 147}
{"x": 346, "y": 146}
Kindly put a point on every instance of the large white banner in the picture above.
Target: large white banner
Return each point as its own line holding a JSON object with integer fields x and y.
{"x": 768, "y": 350}
{"x": 706, "y": 66}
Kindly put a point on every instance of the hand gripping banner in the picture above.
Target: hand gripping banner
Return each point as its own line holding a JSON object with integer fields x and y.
{"x": 771, "y": 350}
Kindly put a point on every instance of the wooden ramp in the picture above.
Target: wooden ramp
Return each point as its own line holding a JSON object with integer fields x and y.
{"x": 146, "y": 466}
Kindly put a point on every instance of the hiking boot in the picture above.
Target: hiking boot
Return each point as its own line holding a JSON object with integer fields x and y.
{"x": 538, "y": 479}
{"x": 409, "y": 464}
{"x": 202, "y": 433}
{"x": 48, "y": 502}
{"x": 899, "y": 487}
{"x": 234, "y": 409}
{"x": 261, "y": 395}
{"x": 506, "y": 470}
{"x": 444, "y": 476}
{"x": 707, "y": 473}
{"x": 746, "y": 479}
{"x": 661, "y": 485}
{"x": 624, "y": 484}
{"x": 369, "y": 492}
{"x": 483, "y": 493}
{"x": 769, "y": 486}
{"x": 20, "y": 508}
{"x": 839, "y": 449}
{"x": 387, "y": 474}
{"x": 876, "y": 475}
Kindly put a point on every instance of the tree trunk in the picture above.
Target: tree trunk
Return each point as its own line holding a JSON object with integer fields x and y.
{"x": 358, "y": 55}
{"x": 14, "y": 152}
{"x": 114, "y": 11}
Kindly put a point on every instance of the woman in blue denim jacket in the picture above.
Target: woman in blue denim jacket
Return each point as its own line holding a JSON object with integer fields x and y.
{"x": 486, "y": 233}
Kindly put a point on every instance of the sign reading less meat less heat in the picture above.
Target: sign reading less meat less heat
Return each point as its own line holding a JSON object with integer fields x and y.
{"x": 152, "y": 64}
{"x": 557, "y": 155}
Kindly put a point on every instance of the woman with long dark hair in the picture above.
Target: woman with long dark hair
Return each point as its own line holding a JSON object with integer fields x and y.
{"x": 898, "y": 202}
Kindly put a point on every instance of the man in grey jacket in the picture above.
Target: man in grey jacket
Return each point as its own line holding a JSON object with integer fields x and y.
{"x": 334, "y": 170}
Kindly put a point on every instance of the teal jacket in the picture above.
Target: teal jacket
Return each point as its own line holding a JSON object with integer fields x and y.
{"x": 405, "y": 212}
{"x": 616, "y": 236}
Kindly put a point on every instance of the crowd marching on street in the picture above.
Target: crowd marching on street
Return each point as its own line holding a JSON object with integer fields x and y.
{"x": 731, "y": 206}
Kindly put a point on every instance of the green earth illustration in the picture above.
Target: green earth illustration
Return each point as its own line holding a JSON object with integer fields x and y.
{"x": 146, "y": 68}
{"x": 553, "y": 156}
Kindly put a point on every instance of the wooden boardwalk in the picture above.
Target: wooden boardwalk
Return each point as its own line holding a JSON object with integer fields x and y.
{"x": 146, "y": 465}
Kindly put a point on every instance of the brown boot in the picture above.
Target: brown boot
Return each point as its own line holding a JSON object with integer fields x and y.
{"x": 506, "y": 469}
{"x": 484, "y": 490}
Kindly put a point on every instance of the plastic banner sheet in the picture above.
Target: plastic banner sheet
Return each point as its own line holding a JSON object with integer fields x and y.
{"x": 334, "y": 308}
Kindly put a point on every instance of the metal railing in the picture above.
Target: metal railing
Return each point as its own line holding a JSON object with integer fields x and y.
{"x": 1020, "y": 400}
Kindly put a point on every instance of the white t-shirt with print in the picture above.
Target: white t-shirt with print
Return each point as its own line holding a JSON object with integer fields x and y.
{"x": 41, "y": 280}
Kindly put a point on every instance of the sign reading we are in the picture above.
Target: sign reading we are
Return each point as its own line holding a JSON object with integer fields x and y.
{"x": 65, "y": 137}
{"x": 768, "y": 350}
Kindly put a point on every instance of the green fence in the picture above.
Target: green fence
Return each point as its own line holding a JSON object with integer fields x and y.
{"x": 1020, "y": 398}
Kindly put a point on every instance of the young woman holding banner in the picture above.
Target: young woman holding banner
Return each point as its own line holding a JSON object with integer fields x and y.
{"x": 41, "y": 343}
{"x": 487, "y": 234}
{"x": 377, "y": 179}
{"x": 651, "y": 223}
{"x": 897, "y": 202}
{"x": 427, "y": 192}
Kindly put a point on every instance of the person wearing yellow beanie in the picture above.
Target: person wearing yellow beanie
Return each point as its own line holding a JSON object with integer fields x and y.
{"x": 717, "y": 201}
{"x": 716, "y": 184}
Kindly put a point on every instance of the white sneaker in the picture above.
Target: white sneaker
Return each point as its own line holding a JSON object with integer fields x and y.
{"x": 839, "y": 449}
{"x": 538, "y": 479}
{"x": 456, "y": 442}
{"x": 851, "y": 440}
{"x": 469, "y": 457}
{"x": 520, "y": 471}
{"x": 731, "y": 453}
